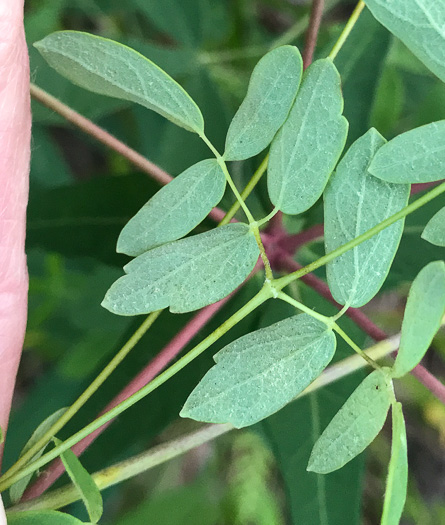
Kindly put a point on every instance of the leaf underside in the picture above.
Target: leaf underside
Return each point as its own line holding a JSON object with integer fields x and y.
{"x": 420, "y": 25}
{"x": 434, "y": 231}
{"x": 175, "y": 209}
{"x": 187, "y": 274}
{"x": 307, "y": 147}
{"x": 354, "y": 426}
{"x": 354, "y": 202}
{"x": 109, "y": 68}
{"x": 270, "y": 95}
{"x": 413, "y": 157}
{"x": 423, "y": 314}
{"x": 261, "y": 372}
{"x": 397, "y": 480}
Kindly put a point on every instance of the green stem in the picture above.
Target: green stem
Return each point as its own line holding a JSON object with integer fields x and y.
{"x": 330, "y": 323}
{"x": 347, "y": 29}
{"x": 83, "y": 398}
{"x": 300, "y": 306}
{"x": 354, "y": 346}
{"x": 279, "y": 284}
{"x": 223, "y": 165}
{"x": 257, "y": 300}
{"x": 253, "y": 224}
{"x": 142, "y": 462}
{"x": 246, "y": 191}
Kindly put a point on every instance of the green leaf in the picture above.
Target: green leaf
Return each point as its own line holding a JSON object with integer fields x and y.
{"x": 42, "y": 517}
{"x": 397, "y": 481}
{"x": 16, "y": 491}
{"x": 109, "y": 68}
{"x": 305, "y": 150}
{"x": 270, "y": 95}
{"x": 186, "y": 274}
{"x": 415, "y": 156}
{"x": 84, "y": 483}
{"x": 434, "y": 231}
{"x": 423, "y": 314}
{"x": 175, "y": 209}
{"x": 420, "y": 26}
{"x": 261, "y": 372}
{"x": 354, "y": 426}
{"x": 354, "y": 202}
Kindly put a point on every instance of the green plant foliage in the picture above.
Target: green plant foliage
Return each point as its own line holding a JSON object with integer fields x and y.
{"x": 359, "y": 63}
{"x": 189, "y": 23}
{"x": 354, "y": 202}
{"x": 271, "y": 93}
{"x": 307, "y": 147}
{"x": 42, "y": 517}
{"x": 415, "y": 156}
{"x": 186, "y": 274}
{"x": 388, "y": 103}
{"x": 397, "y": 481}
{"x": 189, "y": 504}
{"x": 109, "y": 68}
{"x": 423, "y": 314}
{"x": 175, "y": 209}
{"x": 354, "y": 426}
{"x": 261, "y": 372}
{"x": 16, "y": 491}
{"x": 434, "y": 231}
{"x": 419, "y": 25}
{"x": 85, "y": 484}
{"x": 249, "y": 498}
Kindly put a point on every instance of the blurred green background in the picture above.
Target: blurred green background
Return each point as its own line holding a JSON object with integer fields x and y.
{"x": 82, "y": 194}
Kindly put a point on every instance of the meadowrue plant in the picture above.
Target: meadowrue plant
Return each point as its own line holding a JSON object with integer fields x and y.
{"x": 296, "y": 116}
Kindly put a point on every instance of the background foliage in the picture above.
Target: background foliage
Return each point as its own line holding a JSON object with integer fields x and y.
{"x": 82, "y": 195}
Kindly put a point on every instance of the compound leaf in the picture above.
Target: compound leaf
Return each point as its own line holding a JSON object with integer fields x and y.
{"x": 423, "y": 314}
{"x": 354, "y": 426}
{"x": 16, "y": 491}
{"x": 261, "y": 372}
{"x": 420, "y": 25}
{"x": 307, "y": 147}
{"x": 175, "y": 209}
{"x": 434, "y": 231}
{"x": 415, "y": 156}
{"x": 354, "y": 202}
{"x": 109, "y": 68}
{"x": 397, "y": 480}
{"x": 270, "y": 95}
{"x": 42, "y": 517}
{"x": 84, "y": 483}
{"x": 187, "y": 274}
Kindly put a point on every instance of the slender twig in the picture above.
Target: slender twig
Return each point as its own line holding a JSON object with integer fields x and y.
{"x": 162, "y": 453}
{"x": 312, "y": 31}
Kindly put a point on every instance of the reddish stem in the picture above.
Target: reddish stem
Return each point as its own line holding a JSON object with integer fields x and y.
{"x": 312, "y": 32}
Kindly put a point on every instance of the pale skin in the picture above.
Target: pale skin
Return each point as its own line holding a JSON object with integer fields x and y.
{"x": 15, "y": 130}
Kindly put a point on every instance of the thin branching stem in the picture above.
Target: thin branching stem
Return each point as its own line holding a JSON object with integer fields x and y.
{"x": 160, "y": 454}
